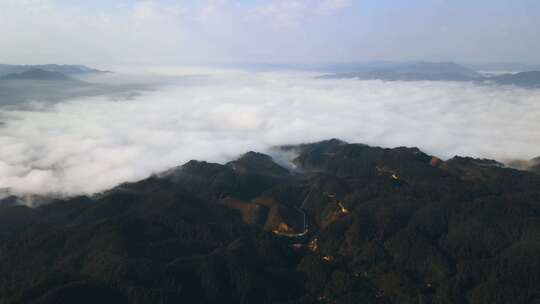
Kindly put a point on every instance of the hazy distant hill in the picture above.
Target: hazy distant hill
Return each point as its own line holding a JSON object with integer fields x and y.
{"x": 36, "y": 74}
{"x": 523, "y": 79}
{"x": 412, "y": 71}
{"x": 36, "y": 84}
{"x": 503, "y": 67}
{"x": 65, "y": 69}
{"x": 434, "y": 71}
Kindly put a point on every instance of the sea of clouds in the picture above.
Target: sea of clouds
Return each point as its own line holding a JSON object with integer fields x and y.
{"x": 87, "y": 145}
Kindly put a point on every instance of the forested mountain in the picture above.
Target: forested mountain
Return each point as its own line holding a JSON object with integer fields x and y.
{"x": 349, "y": 224}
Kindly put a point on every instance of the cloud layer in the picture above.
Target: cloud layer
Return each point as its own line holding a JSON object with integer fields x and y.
{"x": 89, "y": 145}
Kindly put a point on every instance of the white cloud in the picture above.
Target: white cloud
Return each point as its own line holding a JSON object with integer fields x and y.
{"x": 88, "y": 145}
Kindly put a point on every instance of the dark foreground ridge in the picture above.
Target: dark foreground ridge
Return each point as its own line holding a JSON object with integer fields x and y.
{"x": 353, "y": 224}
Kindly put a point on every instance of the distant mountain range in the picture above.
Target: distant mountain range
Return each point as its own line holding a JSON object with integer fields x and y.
{"x": 523, "y": 79}
{"x": 6, "y": 69}
{"x": 436, "y": 71}
{"x": 411, "y": 71}
{"x": 503, "y": 67}
{"x": 54, "y": 83}
{"x": 37, "y": 74}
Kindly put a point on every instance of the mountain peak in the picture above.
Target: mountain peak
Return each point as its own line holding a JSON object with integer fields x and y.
{"x": 258, "y": 162}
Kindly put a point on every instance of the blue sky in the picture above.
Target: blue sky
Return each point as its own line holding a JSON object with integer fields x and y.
{"x": 270, "y": 31}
